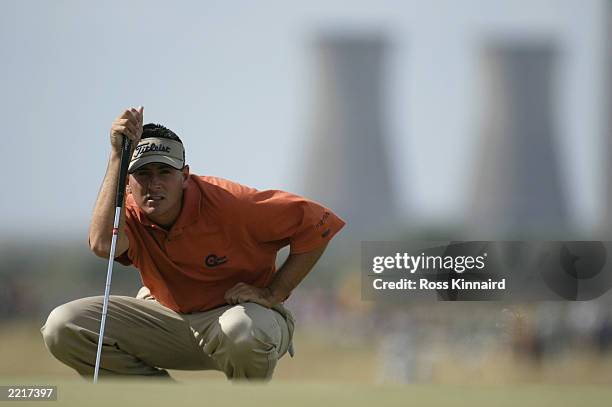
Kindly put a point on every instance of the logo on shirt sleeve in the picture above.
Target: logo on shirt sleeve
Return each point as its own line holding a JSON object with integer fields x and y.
{"x": 212, "y": 260}
{"x": 323, "y": 219}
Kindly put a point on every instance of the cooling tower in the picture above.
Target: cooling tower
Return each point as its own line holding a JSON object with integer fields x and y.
{"x": 519, "y": 189}
{"x": 348, "y": 167}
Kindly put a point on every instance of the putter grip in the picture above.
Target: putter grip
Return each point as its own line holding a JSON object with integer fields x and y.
{"x": 126, "y": 146}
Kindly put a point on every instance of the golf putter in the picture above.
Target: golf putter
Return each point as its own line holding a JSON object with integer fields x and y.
{"x": 126, "y": 146}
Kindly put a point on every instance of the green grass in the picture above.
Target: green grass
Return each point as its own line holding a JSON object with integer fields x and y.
{"x": 327, "y": 371}
{"x": 296, "y": 394}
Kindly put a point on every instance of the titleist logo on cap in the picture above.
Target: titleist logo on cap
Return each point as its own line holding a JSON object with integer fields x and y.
{"x": 147, "y": 147}
{"x": 158, "y": 150}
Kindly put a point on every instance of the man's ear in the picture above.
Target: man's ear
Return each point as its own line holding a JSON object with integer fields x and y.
{"x": 185, "y": 176}
{"x": 127, "y": 184}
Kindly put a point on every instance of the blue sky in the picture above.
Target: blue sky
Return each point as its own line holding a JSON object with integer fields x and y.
{"x": 236, "y": 81}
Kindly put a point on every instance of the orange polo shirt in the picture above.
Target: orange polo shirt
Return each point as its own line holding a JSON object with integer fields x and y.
{"x": 225, "y": 233}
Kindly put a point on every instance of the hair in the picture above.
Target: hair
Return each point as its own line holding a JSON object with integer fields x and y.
{"x": 159, "y": 131}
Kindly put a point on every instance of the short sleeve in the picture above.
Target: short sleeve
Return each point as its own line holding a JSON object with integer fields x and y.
{"x": 279, "y": 216}
{"x": 128, "y": 257}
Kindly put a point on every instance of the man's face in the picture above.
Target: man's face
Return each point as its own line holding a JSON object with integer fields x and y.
{"x": 158, "y": 190}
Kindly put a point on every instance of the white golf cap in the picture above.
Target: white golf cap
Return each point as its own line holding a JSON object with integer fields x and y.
{"x": 158, "y": 150}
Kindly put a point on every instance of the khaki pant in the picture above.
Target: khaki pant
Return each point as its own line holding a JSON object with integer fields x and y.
{"x": 143, "y": 337}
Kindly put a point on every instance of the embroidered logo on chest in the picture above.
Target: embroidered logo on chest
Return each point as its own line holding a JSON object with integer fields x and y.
{"x": 212, "y": 260}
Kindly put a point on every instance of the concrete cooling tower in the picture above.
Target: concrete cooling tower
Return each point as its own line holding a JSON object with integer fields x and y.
{"x": 348, "y": 166}
{"x": 519, "y": 189}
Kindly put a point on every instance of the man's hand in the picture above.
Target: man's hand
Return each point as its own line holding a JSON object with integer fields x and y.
{"x": 243, "y": 292}
{"x": 284, "y": 281}
{"x": 128, "y": 124}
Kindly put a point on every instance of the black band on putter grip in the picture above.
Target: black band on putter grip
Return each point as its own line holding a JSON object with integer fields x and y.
{"x": 126, "y": 146}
